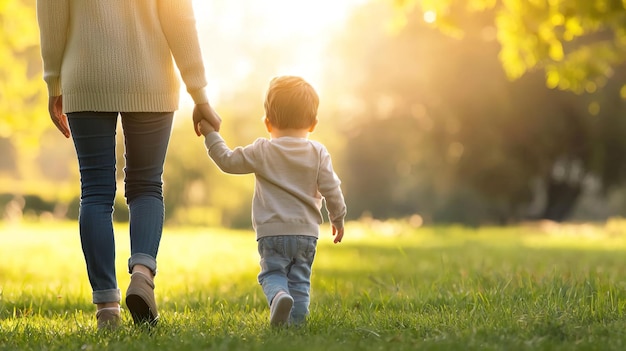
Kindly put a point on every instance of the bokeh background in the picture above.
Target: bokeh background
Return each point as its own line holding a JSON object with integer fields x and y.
{"x": 440, "y": 111}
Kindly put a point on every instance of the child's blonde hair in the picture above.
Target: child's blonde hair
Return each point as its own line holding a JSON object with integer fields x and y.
{"x": 291, "y": 103}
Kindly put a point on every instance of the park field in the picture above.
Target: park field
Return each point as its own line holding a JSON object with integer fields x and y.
{"x": 388, "y": 286}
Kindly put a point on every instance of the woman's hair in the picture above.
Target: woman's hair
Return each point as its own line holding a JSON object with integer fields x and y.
{"x": 291, "y": 103}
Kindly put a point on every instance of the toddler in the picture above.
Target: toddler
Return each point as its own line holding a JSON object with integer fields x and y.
{"x": 293, "y": 176}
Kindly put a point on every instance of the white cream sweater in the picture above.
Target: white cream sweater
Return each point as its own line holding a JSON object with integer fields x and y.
{"x": 116, "y": 55}
{"x": 293, "y": 177}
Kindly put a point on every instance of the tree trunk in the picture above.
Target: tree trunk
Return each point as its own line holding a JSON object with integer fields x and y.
{"x": 561, "y": 197}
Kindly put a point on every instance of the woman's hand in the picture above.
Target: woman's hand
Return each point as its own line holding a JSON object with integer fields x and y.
{"x": 207, "y": 113}
{"x": 205, "y": 127}
{"x": 55, "y": 108}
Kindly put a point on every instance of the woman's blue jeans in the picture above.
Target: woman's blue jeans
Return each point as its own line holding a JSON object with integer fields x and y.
{"x": 146, "y": 139}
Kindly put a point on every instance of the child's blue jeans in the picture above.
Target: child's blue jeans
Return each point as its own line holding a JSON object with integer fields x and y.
{"x": 146, "y": 139}
{"x": 286, "y": 263}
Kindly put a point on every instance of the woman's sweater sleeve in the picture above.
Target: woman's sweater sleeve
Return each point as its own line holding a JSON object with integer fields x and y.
{"x": 53, "y": 17}
{"x": 179, "y": 26}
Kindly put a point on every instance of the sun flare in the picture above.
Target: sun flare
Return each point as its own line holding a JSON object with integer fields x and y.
{"x": 430, "y": 16}
{"x": 233, "y": 35}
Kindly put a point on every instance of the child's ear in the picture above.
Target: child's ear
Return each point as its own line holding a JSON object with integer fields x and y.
{"x": 312, "y": 128}
{"x": 268, "y": 125}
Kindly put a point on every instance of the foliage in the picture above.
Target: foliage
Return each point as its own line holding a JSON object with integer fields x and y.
{"x": 196, "y": 191}
{"x": 417, "y": 121}
{"x": 435, "y": 127}
{"x": 22, "y": 101}
{"x": 577, "y": 43}
{"x": 540, "y": 287}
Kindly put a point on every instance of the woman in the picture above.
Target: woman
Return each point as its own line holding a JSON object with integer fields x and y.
{"x": 104, "y": 59}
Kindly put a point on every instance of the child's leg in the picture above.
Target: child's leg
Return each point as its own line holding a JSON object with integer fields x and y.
{"x": 299, "y": 277}
{"x": 274, "y": 263}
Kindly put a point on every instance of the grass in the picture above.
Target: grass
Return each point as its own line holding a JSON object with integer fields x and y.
{"x": 389, "y": 286}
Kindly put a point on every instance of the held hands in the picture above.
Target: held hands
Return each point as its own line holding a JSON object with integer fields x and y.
{"x": 204, "y": 112}
{"x": 205, "y": 128}
{"x": 55, "y": 108}
{"x": 338, "y": 234}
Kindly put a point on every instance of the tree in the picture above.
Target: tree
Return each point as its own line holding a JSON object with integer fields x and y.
{"x": 577, "y": 43}
{"x": 435, "y": 126}
{"x": 23, "y": 98}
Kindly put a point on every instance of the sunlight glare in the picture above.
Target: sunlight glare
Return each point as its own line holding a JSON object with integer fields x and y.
{"x": 430, "y": 16}
{"x": 295, "y": 33}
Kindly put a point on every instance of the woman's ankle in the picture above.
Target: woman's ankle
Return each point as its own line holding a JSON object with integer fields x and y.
{"x": 108, "y": 305}
{"x": 139, "y": 268}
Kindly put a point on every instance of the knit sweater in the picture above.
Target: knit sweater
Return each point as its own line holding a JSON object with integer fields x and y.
{"x": 293, "y": 177}
{"x": 116, "y": 55}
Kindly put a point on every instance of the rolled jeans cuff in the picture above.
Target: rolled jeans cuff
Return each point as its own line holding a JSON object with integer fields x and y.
{"x": 104, "y": 296}
{"x": 144, "y": 260}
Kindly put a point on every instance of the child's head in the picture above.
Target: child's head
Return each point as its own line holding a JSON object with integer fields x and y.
{"x": 291, "y": 103}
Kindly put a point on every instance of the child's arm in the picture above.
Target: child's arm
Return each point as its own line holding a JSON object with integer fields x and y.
{"x": 240, "y": 160}
{"x": 329, "y": 186}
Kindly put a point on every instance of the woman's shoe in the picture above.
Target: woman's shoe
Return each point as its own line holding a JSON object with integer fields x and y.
{"x": 140, "y": 299}
{"x": 108, "y": 318}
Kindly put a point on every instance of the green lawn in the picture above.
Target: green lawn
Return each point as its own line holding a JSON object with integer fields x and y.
{"x": 388, "y": 286}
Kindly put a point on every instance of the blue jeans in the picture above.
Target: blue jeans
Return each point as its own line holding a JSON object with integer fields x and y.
{"x": 146, "y": 139}
{"x": 286, "y": 263}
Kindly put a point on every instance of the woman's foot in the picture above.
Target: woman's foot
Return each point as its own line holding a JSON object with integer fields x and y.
{"x": 109, "y": 318}
{"x": 140, "y": 299}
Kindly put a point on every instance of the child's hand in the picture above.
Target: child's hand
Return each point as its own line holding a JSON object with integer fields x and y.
{"x": 205, "y": 127}
{"x": 338, "y": 233}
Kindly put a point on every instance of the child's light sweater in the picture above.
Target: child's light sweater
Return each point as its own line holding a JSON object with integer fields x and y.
{"x": 116, "y": 55}
{"x": 293, "y": 177}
